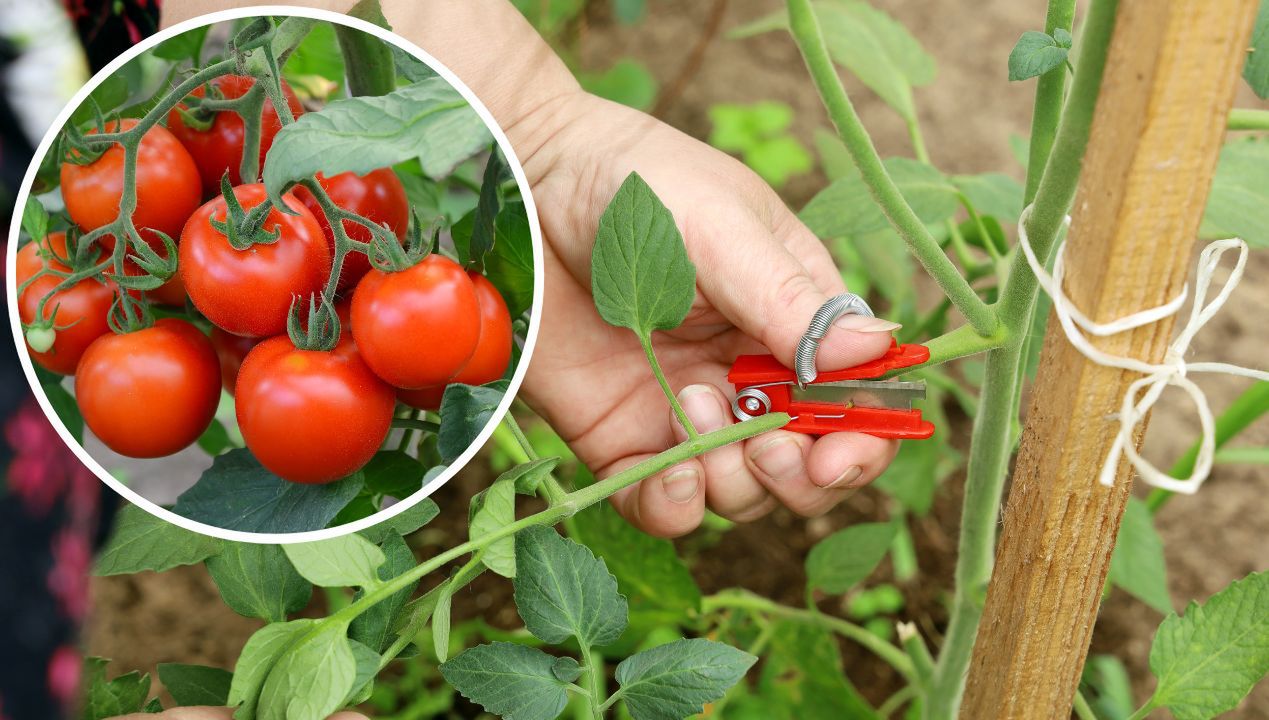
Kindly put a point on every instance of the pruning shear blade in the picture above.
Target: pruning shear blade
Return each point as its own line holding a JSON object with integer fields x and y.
{"x": 862, "y": 393}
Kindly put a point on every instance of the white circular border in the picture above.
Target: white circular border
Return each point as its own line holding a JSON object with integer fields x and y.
{"x": 516, "y": 379}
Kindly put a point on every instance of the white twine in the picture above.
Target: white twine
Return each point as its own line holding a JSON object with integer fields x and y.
{"x": 1172, "y": 371}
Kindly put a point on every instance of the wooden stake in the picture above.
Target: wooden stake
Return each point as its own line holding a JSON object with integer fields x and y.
{"x": 1156, "y": 134}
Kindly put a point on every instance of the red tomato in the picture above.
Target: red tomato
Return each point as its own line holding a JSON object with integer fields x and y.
{"x": 79, "y": 312}
{"x": 419, "y": 326}
{"x": 219, "y": 148}
{"x": 378, "y": 196}
{"x": 232, "y": 350}
{"x": 249, "y": 292}
{"x": 151, "y": 392}
{"x": 168, "y": 188}
{"x": 309, "y": 416}
{"x": 493, "y": 350}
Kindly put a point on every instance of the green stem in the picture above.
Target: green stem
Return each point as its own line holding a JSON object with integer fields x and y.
{"x": 555, "y": 492}
{"x": 684, "y": 420}
{"x": 745, "y": 600}
{"x": 1047, "y": 110}
{"x": 958, "y": 343}
{"x": 594, "y": 663}
{"x": 1247, "y": 119}
{"x": 806, "y": 31}
{"x": 990, "y": 445}
{"x": 897, "y": 700}
{"x": 573, "y": 502}
{"x": 368, "y": 62}
{"x": 1082, "y": 708}
{"x": 412, "y": 423}
{"x": 1243, "y": 411}
{"x": 922, "y": 661}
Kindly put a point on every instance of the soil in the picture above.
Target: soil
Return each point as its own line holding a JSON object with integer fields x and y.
{"x": 967, "y": 116}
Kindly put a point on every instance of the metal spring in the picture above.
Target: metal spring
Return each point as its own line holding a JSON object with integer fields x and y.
{"x": 837, "y": 306}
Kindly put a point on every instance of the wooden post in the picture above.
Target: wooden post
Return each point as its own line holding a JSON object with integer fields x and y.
{"x": 1157, "y": 130}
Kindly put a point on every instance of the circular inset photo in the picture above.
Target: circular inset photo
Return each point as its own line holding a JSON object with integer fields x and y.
{"x": 273, "y": 277}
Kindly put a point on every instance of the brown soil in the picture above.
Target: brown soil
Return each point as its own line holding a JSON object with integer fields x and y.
{"x": 967, "y": 115}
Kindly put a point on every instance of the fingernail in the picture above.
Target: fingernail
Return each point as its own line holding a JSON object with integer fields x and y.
{"x": 864, "y": 323}
{"x": 681, "y": 485}
{"x": 845, "y": 479}
{"x": 702, "y": 407}
{"x": 779, "y": 459}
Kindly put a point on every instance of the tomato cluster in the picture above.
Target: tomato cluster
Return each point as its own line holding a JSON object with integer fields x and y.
{"x": 309, "y": 416}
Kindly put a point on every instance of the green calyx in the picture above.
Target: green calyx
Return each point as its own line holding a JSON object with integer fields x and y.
{"x": 240, "y": 227}
{"x": 387, "y": 254}
{"x": 318, "y": 329}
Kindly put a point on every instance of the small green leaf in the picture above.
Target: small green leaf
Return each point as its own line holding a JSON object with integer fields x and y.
{"x": 491, "y": 510}
{"x": 258, "y": 657}
{"x": 367, "y": 663}
{"x": 1035, "y": 54}
{"x": 846, "y": 207}
{"x": 640, "y": 273}
{"x": 626, "y": 81}
{"x": 393, "y": 473}
{"x": 237, "y": 493}
{"x": 312, "y": 677}
{"x": 404, "y": 522}
{"x": 1106, "y": 684}
{"x": 184, "y": 46}
{"x": 1256, "y": 72}
{"x": 512, "y": 681}
{"x": 528, "y": 477}
{"x": 510, "y": 265}
{"x": 488, "y": 207}
{"x": 66, "y": 408}
{"x": 428, "y": 120}
{"x": 374, "y": 626}
{"x": 1063, "y": 38}
{"x": 108, "y": 699}
{"x": 258, "y": 581}
{"x": 215, "y": 439}
{"x": 1208, "y": 660}
{"x": 847, "y": 556}
{"x": 563, "y": 590}
{"x": 140, "y": 541}
{"x": 566, "y": 669}
{"x": 192, "y": 685}
{"x": 465, "y": 412}
{"x": 674, "y": 681}
{"x": 1137, "y": 564}
{"x": 441, "y": 622}
{"x": 35, "y": 218}
{"x": 344, "y": 561}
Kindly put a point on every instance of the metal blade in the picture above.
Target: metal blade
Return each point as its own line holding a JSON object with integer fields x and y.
{"x": 863, "y": 393}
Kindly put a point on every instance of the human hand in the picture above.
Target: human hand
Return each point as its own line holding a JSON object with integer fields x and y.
{"x": 216, "y": 713}
{"x": 761, "y": 275}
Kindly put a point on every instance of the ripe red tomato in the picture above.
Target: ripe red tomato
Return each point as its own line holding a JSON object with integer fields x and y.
{"x": 232, "y": 350}
{"x": 79, "y": 312}
{"x": 309, "y": 416}
{"x": 493, "y": 349}
{"x": 419, "y": 326}
{"x": 151, "y": 392}
{"x": 249, "y": 292}
{"x": 219, "y": 148}
{"x": 168, "y": 189}
{"x": 378, "y": 196}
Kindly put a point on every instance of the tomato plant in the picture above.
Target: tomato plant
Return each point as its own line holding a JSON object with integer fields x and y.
{"x": 77, "y": 313}
{"x": 249, "y": 291}
{"x": 150, "y": 392}
{"x": 311, "y": 416}
{"x": 377, "y": 196}
{"x": 217, "y": 148}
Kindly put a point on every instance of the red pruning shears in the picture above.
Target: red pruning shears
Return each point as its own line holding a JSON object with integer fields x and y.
{"x": 849, "y": 400}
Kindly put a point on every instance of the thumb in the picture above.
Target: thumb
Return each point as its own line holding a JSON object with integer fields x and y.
{"x": 768, "y": 293}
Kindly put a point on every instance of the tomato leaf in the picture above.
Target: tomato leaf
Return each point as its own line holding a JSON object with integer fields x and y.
{"x": 491, "y": 510}
{"x": 35, "y": 218}
{"x": 313, "y": 677}
{"x": 563, "y": 590}
{"x": 315, "y": 68}
{"x": 393, "y": 473}
{"x": 441, "y": 621}
{"x": 66, "y": 408}
{"x": 1208, "y": 660}
{"x": 403, "y": 523}
{"x": 257, "y": 580}
{"x": 1240, "y": 192}
{"x": 483, "y": 235}
{"x": 846, "y": 207}
{"x": 1256, "y": 72}
{"x": 509, "y": 680}
{"x": 192, "y": 685}
{"x": 184, "y": 46}
{"x": 141, "y": 541}
{"x": 237, "y": 493}
{"x": 1106, "y": 684}
{"x": 994, "y": 194}
{"x": 626, "y": 81}
{"x": 1137, "y": 565}
{"x": 215, "y": 439}
{"x": 374, "y": 626}
{"x": 641, "y": 276}
{"x": 465, "y": 412}
{"x": 345, "y": 561}
{"x": 803, "y": 679}
{"x": 510, "y": 265}
{"x": 847, "y": 556}
{"x": 108, "y": 699}
{"x": 257, "y": 659}
{"x": 428, "y": 120}
{"x": 1035, "y": 54}
{"x": 677, "y": 679}
{"x": 367, "y": 663}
